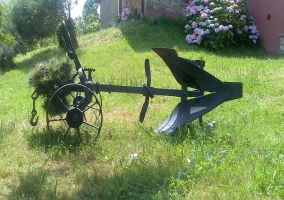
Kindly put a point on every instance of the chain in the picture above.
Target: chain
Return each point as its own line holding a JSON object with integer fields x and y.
{"x": 34, "y": 121}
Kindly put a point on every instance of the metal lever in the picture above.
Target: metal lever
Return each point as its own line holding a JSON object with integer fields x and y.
{"x": 147, "y": 87}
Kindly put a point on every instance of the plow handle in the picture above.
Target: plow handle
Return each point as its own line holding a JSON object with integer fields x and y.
{"x": 70, "y": 50}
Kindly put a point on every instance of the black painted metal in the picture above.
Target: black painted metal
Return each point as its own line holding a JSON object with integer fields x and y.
{"x": 188, "y": 73}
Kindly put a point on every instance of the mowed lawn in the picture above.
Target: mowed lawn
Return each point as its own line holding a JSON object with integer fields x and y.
{"x": 240, "y": 157}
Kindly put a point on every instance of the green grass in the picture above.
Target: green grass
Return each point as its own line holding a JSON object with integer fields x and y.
{"x": 242, "y": 157}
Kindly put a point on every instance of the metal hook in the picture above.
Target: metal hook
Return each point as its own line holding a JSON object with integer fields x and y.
{"x": 32, "y": 122}
{"x": 34, "y": 96}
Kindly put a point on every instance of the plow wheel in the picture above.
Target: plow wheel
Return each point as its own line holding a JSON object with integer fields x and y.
{"x": 74, "y": 109}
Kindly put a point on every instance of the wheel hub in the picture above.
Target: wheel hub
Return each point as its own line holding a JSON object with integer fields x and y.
{"x": 74, "y": 118}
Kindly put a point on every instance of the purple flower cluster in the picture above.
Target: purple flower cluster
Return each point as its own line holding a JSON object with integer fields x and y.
{"x": 211, "y": 17}
{"x": 254, "y": 34}
{"x": 126, "y": 12}
{"x": 196, "y": 37}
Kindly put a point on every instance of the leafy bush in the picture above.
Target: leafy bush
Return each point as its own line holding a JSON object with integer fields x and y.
{"x": 62, "y": 34}
{"x": 37, "y": 19}
{"x": 7, "y": 54}
{"x": 5, "y": 37}
{"x": 48, "y": 77}
{"x": 219, "y": 23}
{"x": 9, "y": 47}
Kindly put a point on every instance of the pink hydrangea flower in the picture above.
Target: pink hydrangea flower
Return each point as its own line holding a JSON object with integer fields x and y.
{"x": 204, "y": 15}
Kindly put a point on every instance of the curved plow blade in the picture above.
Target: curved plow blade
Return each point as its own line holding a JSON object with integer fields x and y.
{"x": 187, "y": 73}
{"x": 189, "y": 110}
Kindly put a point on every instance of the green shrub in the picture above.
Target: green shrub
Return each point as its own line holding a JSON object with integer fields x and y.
{"x": 219, "y": 23}
{"x": 48, "y": 77}
{"x": 37, "y": 19}
{"x": 90, "y": 22}
{"x": 8, "y": 45}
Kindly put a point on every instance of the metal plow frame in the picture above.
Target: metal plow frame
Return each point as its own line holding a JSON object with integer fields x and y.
{"x": 188, "y": 73}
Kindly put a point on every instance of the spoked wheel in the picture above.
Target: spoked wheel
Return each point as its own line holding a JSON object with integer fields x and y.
{"x": 74, "y": 110}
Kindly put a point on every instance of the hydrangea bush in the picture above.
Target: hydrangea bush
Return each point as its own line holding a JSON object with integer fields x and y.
{"x": 128, "y": 14}
{"x": 219, "y": 23}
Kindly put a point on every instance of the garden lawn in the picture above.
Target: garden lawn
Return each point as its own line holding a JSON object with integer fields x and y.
{"x": 240, "y": 157}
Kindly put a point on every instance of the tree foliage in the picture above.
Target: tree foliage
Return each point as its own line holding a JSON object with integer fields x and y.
{"x": 91, "y": 8}
{"x": 5, "y": 37}
{"x": 9, "y": 47}
{"x": 37, "y": 19}
{"x": 90, "y": 22}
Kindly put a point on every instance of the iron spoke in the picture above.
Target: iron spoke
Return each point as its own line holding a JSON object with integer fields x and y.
{"x": 62, "y": 102}
{"x": 57, "y": 120}
{"x": 66, "y": 132}
{"x": 78, "y": 130}
{"x": 88, "y": 107}
{"x": 91, "y": 125}
{"x": 76, "y": 97}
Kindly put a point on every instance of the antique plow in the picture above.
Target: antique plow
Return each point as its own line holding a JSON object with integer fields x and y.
{"x": 83, "y": 105}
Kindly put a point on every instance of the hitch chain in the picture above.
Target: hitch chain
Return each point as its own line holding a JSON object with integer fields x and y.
{"x": 34, "y": 121}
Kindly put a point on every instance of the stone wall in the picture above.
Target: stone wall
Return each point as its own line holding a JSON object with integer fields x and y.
{"x": 159, "y": 8}
{"x": 166, "y": 8}
{"x": 132, "y": 4}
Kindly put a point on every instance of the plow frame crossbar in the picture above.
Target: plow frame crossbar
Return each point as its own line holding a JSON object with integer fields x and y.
{"x": 145, "y": 90}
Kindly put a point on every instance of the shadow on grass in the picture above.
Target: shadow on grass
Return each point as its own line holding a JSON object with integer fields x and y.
{"x": 32, "y": 186}
{"x": 127, "y": 179}
{"x": 131, "y": 179}
{"x": 141, "y": 35}
{"x": 41, "y": 139}
{"x": 37, "y": 56}
{"x": 137, "y": 180}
